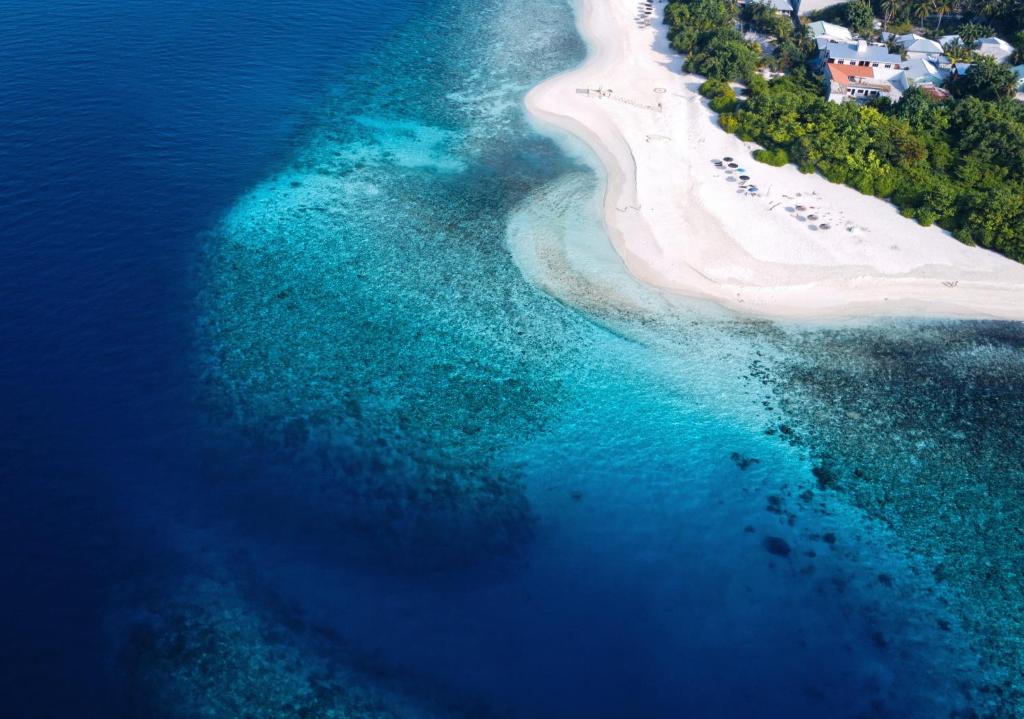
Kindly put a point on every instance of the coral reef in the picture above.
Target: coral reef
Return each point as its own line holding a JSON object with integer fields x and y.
{"x": 207, "y": 651}
{"x": 921, "y": 425}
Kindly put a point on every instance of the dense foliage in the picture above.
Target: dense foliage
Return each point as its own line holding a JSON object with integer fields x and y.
{"x": 858, "y": 16}
{"x": 704, "y": 30}
{"x": 761, "y": 17}
{"x": 958, "y": 164}
{"x": 1005, "y": 17}
{"x": 985, "y": 79}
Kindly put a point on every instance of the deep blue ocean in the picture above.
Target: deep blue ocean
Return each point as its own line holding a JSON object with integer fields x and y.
{"x": 324, "y": 395}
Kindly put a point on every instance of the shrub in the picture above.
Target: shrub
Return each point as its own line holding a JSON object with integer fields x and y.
{"x": 712, "y": 88}
{"x": 728, "y": 122}
{"x": 724, "y": 102}
{"x": 926, "y": 218}
{"x": 775, "y": 158}
{"x": 723, "y": 98}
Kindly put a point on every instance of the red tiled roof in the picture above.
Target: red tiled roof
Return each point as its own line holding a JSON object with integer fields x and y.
{"x": 843, "y": 73}
{"x": 937, "y": 93}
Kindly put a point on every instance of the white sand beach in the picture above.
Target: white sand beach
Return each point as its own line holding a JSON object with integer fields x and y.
{"x": 798, "y": 247}
{"x": 809, "y": 6}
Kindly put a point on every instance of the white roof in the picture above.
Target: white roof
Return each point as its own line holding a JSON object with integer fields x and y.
{"x": 902, "y": 81}
{"x": 950, "y": 39}
{"x": 916, "y": 72}
{"x": 918, "y": 44}
{"x": 861, "y": 51}
{"x": 996, "y": 48}
{"x": 822, "y": 29}
{"x": 919, "y": 67}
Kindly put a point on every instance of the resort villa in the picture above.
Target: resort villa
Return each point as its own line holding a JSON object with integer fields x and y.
{"x": 859, "y": 70}
{"x": 855, "y": 69}
{"x": 825, "y": 32}
{"x": 916, "y": 46}
{"x": 995, "y": 48}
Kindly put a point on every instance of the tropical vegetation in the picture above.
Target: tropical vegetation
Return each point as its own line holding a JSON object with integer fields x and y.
{"x": 958, "y": 164}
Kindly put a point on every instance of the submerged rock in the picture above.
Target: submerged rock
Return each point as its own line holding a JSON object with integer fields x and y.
{"x": 777, "y": 546}
{"x": 742, "y": 461}
{"x": 826, "y": 479}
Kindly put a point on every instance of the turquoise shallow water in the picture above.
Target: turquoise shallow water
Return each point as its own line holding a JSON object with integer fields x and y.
{"x": 433, "y": 452}
{"x": 500, "y": 464}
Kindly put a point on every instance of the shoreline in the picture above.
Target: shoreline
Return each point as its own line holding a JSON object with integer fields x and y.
{"x": 679, "y": 223}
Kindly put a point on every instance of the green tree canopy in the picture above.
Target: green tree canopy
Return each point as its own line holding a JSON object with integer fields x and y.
{"x": 986, "y": 79}
{"x": 971, "y": 32}
{"x": 724, "y": 55}
{"x": 761, "y": 17}
{"x": 859, "y": 17}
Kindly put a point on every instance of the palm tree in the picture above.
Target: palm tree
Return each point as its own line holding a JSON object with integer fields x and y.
{"x": 922, "y": 9}
{"x": 988, "y": 8}
{"x": 957, "y": 52}
{"x": 941, "y": 7}
{"x": 889, "y": 10}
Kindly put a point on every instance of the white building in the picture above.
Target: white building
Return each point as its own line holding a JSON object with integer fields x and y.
{"x": 917, "y": 46}
{"x": 856, "y": 82}
{"x": 861, "y": 53}
{"x": 918, "y": 72}
{"x": 995, "y": 48}
{"x": 828, "y": 32}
